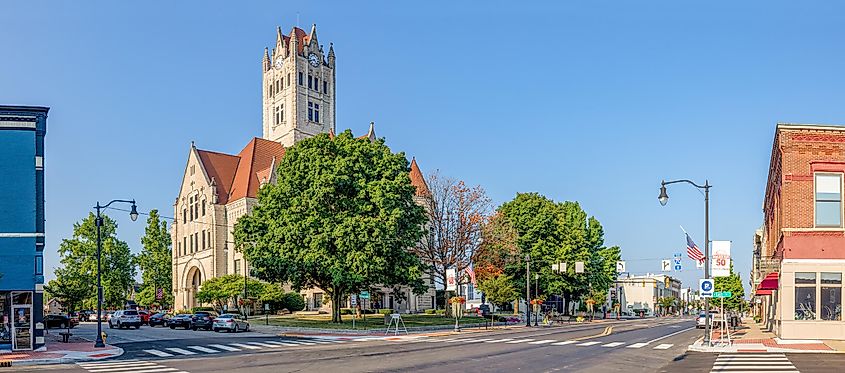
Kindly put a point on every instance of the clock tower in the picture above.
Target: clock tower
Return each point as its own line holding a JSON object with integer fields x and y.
{"x": 298, "y": 87}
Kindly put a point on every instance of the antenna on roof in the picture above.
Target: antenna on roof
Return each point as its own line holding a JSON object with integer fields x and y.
{"x": 297, "y": 19}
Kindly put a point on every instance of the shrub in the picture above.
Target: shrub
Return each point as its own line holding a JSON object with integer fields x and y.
{"x": 385, "y": 311}
{"x": 200, "y": 309}
{"x": 345, "y": 311}
{"x": 440, "y": 312}
{"x": 292, "y": 302}
{"x": 430, "y": 311}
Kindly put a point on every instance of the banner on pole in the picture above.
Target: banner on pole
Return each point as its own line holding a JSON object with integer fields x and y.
{"x": 720, "y": 266}
{"x": 665, "y": 265}
{"x": 451, "y": 279}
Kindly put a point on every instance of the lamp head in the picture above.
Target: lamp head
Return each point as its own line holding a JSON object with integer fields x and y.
{"x": 133, "y": 214}
{"x": 663, "y": 197}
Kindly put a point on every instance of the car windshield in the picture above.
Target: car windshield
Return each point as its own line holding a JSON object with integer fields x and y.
{"x": 225, "y": 317}
{"x": 183, "y": 315}
{"x": 130, "y": 313}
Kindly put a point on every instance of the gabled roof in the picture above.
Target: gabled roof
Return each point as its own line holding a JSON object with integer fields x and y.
{"x": 256, "y": 156}
{"x": 221, "y": 169}
{"x": 417, "y": 179}
{"x": 302, "y": 39}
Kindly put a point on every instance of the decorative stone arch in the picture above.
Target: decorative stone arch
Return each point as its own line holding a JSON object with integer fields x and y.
{"x": 193, "y": 275}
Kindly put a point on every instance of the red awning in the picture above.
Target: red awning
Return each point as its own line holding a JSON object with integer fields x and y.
{"x": 763, "y": 292}
{"x": 769, "y": 283}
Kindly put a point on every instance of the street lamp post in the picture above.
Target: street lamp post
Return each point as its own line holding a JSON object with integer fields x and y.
{"x": 527, "y": 289}
{"x": 536, "y": 294}
{"x": 664, "y": 198}
{"x": 246, "y": 268}
{"x": 133, "y": 214}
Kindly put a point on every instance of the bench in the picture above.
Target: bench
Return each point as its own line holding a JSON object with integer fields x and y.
{"x": 65, "y": 336}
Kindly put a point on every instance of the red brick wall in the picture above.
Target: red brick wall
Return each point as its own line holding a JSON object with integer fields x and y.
{"x": 797, "y": 153}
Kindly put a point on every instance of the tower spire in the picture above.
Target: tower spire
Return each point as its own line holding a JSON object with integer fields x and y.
{"x": 331, "y": 55}
{"x": 266, "y": 60}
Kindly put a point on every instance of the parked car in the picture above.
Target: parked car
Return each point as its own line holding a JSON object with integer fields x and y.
{"x": 203, "y": 320}
{"x": 701, "y": 320}
{"x": 60, "y": 321}
{"x": 145, "y": 316}
{"x": 230, "y": 322}
{"x": 182, "y": 320}
{"x": 160, "y": 318}
{"x": 125, "y": 319}
{"x": 106, "y": 315}
{"x": 87, "y": 315}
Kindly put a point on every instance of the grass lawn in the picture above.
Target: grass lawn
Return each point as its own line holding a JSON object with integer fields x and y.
{"x": 371, "y": 321}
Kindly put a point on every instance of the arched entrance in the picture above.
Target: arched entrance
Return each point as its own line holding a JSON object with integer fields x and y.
{"x": 194, "y": 280}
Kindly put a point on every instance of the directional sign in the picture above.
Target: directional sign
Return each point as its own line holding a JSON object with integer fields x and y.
{"x": 677, "y": 259}
{"x": 705, "y": 287}
{"x": 665, "y": 265}
{"x": 364, "y": 295}
{"x": 722, "y": 294}
{"x": 620, "y": 266}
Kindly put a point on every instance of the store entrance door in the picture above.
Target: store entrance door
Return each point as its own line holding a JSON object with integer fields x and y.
{"x": 22, "y": 328}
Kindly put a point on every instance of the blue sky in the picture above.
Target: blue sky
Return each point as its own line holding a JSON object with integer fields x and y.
{"x": 594, "y": 102}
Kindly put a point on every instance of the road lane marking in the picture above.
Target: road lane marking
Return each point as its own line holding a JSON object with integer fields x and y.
{"x": 669, "y": 335}
{"x": 563, "y": 343}
{"x": 482, "y": 339}
{"x": 153, "y": 369}
{"x": 203, "y": 349}
{"x": 753, "y": 362}
{"x": 612, "y": 344}
{"x": 107, "y": 363}
{"x": 638, "y": 345}
{"x": 283, "y": 343}
{"x": 124, "y": 367}
{"x": 664, "y": 346}
{"x": 224, "y": 347}
{"x": 262, "y": 344}
{"x": 158, "y": 353}
{"x": 542, "y": 342}
{"x": 116, "y": 364}
{"x": 520, "y": 341}
{"x": 588, "y": 343}
{"x": 499, "y": 340}
{"x": 180, "y": 351}
{"x": 241, "y": 345}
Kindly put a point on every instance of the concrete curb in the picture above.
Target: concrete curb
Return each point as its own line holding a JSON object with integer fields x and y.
{"x": 67, "y": 360}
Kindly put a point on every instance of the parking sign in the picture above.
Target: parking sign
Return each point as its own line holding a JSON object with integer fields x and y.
{"x": 705, "y": 287}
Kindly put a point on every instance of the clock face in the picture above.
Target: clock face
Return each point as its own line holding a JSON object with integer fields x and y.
{"x": 314, "y": 60}
{"x": 279, "y": 63}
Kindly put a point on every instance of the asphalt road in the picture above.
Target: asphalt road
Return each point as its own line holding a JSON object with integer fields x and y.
{"x": 632, "y": 346}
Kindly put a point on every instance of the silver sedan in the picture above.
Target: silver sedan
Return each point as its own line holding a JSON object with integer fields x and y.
{"x": 230, "y": 322}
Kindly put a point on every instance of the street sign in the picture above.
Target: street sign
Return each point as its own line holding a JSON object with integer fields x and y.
{"x": 721, "y": 264}
{"x": 699, "y": 264}
{"x": 579, "y": 267}
{"x": 665, "y": 265}
{"x": 620, "y": 266}
{"x": 705, "y": 288}
{"x": 722, "y": 294}
{"x": 364, "y": 295}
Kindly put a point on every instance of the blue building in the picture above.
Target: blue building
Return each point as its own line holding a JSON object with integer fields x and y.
{"x": 22, "y": 130}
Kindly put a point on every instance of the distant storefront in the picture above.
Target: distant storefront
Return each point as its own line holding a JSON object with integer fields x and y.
{"x": 22, "y": 130}
{"x": 799, "y": 257}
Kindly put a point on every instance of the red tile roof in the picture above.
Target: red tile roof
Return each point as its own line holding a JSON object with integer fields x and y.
{"x": 301, "y": 37}
{"x": 417, "y": 179}
{"x": 221, "y": 168}
{"x": 256, "y": 156}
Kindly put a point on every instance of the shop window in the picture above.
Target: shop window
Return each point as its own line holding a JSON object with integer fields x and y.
{"x": 805, "y": 296}
{"x": 828, "y": 199}
{"x": 831, "y": 296}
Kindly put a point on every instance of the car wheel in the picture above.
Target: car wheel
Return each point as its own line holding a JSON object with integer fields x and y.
{"x": 111, "y": 326}
{"x": 216, "y": 330}
{"x": 137, "y": 326}
{"x": 247, "y": 328}
{"x": 236, "y": 328}
{"x": 194, "y": 328}
{"x": 172, "y": 327}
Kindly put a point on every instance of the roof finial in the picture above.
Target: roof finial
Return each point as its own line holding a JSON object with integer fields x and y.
{"x": 192, "y": 145}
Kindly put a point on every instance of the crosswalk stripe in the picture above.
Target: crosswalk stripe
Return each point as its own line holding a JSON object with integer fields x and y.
{"x": 520, "y": 341}
{"x": 224, "y": 347}
{"x": 752, "y": 355}
{"x": 114, "y": 364}
{"x": 746, "y": 362}
{"x": 280, "y": 343}
{"x": 461, "y": 340}
{"x": 664, "y": 346}
{"x": 241, "y": 345}
{"x": 587, "y": 344}
{"x": 152, "y": 369}
{"x": 262, "y": 344}
{"x": 638, "y": 345}
{"x": 499, "y": 340}
{"x": 612, "y": 344}
{"x": 203, "y": 349}
{"x": 478, "y": 340}
{"x": 303, "y": 343}
{"x": 542, "y": 342}
{"x": 759, "y": 363}
{"x": 180, "y": 351}
{"x": 563, "y": 343}
{"x": 753, "y": 359}
{"x": 95, "y": 364}
{"x": 158, "y": 353}
{"x": 124, "y": 367}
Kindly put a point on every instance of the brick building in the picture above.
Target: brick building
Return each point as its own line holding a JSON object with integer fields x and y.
{"x": 799, "y": 256}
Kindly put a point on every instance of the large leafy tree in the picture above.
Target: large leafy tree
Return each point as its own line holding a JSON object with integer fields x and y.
{"x": 340, "y": 217}
{"x": 733, "y": 284}
{"x": 222, "y": 290}
{"x": 499, "y": 290}
{"x": 79, "y": 261}
{"x": 456, "y": 214}
{"x": 155, "y": 262}
{"x": 70, "y": 288}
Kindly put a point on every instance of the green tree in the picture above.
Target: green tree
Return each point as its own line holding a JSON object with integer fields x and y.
{"x": 733, "y": 284}
{"x": 665, "y": 304}
{"x": 220, "y": 291}
{"x": 69, "y": 288}
{"x": 79, "y": 261}
{"x": 341, "y": 217}
{"x": 499, "y": 290}
{"x": 155, "y": 262}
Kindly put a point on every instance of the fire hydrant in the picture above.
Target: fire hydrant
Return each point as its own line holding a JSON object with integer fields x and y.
{"x": 104, "y": 335}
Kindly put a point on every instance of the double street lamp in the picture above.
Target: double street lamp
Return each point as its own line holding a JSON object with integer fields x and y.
{"x": 133, "y": 214}
{"x": 664, "y": 198}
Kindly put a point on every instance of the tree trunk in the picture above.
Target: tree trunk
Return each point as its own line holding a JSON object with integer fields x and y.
{"x": 566, "y": 297}
{"x": 446, "y": 307}
{"x": 336, "y": 307}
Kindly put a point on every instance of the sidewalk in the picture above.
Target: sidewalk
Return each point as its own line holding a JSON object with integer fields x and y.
{"x": 750, "y": 337}
{"x": 57, "y": 352}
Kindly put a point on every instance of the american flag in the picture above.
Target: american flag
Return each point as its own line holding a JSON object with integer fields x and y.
{"x": 692, "y": 250}
{"x": 471, "y": 274}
